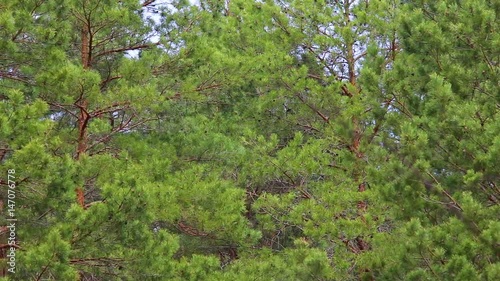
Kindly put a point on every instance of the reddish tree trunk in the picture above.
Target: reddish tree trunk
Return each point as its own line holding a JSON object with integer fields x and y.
{"x": 84, "y": 117}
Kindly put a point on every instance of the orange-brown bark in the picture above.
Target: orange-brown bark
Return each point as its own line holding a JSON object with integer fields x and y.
{"x": 82, "y": 104}
{"x": 86, "y": 48}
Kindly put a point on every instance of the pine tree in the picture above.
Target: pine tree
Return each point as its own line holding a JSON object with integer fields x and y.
{"x": 80, "y": 87}
{"x": 311, "y": 177}
{"x": 442, "y": 142}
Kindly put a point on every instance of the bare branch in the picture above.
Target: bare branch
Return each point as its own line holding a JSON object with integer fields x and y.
{"x": 124, "y": 49}
{"x": 63, "y": 107}
{"x": 148, "y": 2}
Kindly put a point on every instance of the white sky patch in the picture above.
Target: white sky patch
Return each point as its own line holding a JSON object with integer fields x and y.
{"x": 153, "y": 12}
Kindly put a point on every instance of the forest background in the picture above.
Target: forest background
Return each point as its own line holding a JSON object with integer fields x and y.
{"x": 250, "y": 140}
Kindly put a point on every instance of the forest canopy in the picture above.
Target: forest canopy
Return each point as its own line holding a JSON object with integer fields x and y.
{"x": 249, "y": 140}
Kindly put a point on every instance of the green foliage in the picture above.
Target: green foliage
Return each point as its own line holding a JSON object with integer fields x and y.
{"x": 252, "y": 140}
{"x": 443, "y": 84}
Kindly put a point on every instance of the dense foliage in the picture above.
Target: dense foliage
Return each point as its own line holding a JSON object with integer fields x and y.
{"x": 251, "y": 140}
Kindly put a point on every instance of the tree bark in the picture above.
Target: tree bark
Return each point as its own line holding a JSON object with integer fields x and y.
{"x": 83, "y": 118}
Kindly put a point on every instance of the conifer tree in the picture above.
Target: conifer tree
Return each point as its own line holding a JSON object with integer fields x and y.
{"x": 441, "y": 142}
{"x": 77, "y": 88}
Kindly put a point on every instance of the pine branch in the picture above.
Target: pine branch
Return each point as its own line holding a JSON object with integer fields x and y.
{"x": 124, "y": 49}
{"x": 313, "y": 108}
{"x": 63, "y": 107}
{"x": 147, "y": 3}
